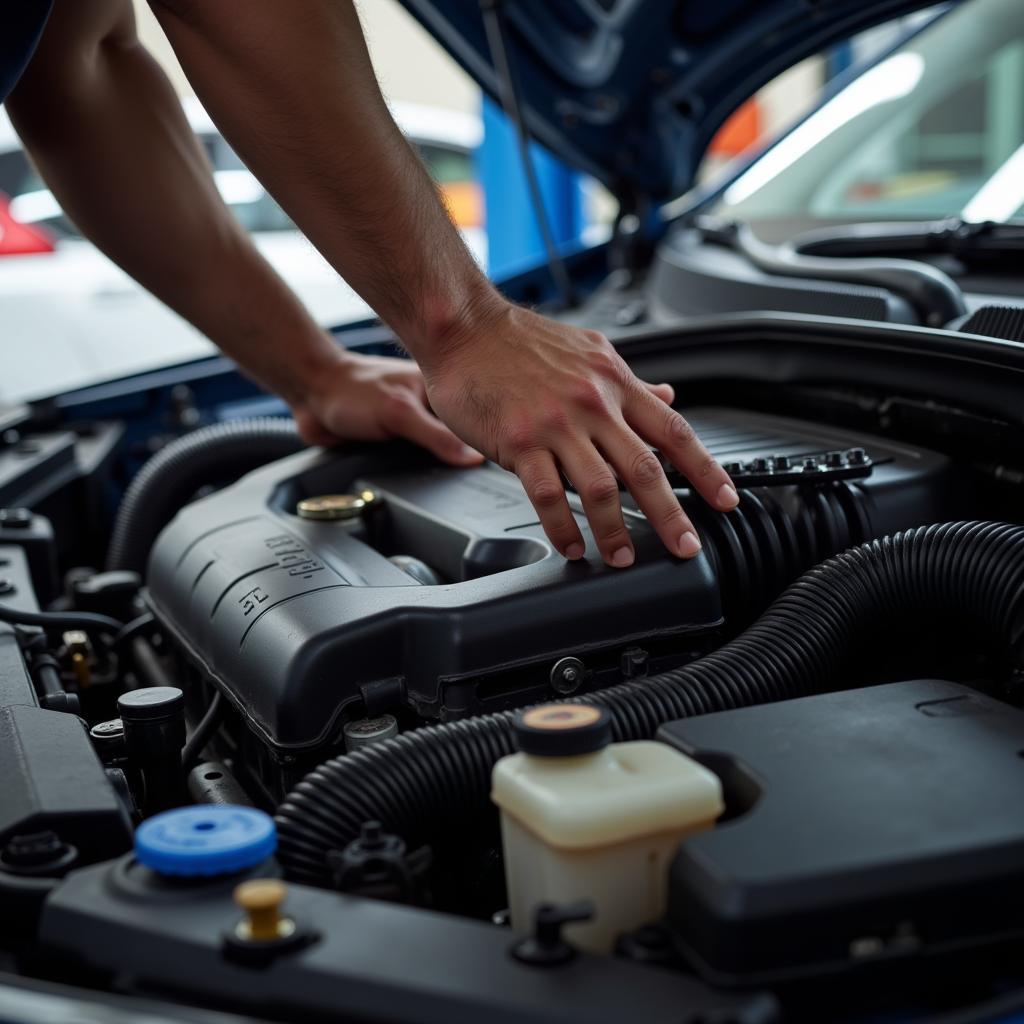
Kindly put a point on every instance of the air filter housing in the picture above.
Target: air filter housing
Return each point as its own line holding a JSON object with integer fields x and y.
{"x": 861, "y": 827}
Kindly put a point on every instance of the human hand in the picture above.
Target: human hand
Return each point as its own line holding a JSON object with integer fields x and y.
{"x": 374, "y": 398}
{"x": 539, "y": 397}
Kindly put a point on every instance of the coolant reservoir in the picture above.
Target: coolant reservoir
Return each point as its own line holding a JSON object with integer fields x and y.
{"x": 586, "y": 819}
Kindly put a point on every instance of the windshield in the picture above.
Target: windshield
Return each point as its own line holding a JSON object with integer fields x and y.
{"x": 934, "y": 130}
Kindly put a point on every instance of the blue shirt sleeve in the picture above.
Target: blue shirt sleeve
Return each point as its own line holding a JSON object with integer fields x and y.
{"x": 21, "y": 25}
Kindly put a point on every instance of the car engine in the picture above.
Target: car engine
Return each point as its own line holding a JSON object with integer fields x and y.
{"x": 336, "y": 733}
{"x": 325, "y": 591}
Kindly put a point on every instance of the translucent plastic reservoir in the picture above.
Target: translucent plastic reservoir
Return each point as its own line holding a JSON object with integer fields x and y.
{"x": 600, "y": 826}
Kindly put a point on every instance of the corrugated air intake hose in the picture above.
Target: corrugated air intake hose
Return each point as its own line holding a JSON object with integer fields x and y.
{"x": 432, "y": 783}
{"x": 210, "y": 455}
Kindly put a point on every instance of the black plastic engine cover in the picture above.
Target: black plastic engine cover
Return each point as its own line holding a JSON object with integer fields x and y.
{"x": 295, "y": 618}
{"x": 861, "y": 826}
{"x": 306, "y": 623}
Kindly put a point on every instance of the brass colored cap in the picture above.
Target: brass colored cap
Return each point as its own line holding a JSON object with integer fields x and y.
{"x": 563, "y": 730}
{"x": 331, "y": 506}
{"x": 261, "y": 899}
{"x": 561, "y": 716}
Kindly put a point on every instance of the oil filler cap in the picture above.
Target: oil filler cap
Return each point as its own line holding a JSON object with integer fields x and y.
{"x": 333, "y": 506}
{"x": 563, "y": 730}
{"x": 200, "y": 841}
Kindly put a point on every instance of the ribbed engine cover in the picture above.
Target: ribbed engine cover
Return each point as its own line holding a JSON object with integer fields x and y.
{"x": 304, "y": 624}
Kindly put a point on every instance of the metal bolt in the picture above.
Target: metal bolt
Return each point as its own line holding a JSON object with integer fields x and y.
{"x": 810, "y": 465}
{"x": 112, "y": 727}
{"x": 760, "y": 465}
{"x": 364, "y": 731}
{"x": 371, "y": 835}
{"x": 39, "y": 853}
{"x": 856, "y": 457}
{"x": 783, "y": 463}
{"x": 32, "y": 849}
{"x": 835, "y": 460}
{"x": 567, "y": 674}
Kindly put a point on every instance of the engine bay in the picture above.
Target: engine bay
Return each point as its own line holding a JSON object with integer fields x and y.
{"x": 330, "y": 659}
{"x": 308, "y": 625}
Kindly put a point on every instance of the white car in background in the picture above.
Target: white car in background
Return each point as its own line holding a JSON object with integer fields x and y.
{"x": 75, "y": 319}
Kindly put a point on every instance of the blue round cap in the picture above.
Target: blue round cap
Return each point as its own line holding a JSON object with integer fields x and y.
{"x": 217, "y": 839}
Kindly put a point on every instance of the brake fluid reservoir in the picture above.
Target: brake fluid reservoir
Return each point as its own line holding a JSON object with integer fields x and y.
{"x": 586, "y": 819}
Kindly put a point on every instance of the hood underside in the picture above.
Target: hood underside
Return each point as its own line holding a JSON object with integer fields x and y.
{"x": 632, "y": 91}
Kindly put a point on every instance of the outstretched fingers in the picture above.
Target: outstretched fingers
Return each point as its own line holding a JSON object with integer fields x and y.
{"x": 598, "y": 489}
{"x": 640, "y": 471}
{"x": 543, "y": 485}
{"x": 663, "y": 427}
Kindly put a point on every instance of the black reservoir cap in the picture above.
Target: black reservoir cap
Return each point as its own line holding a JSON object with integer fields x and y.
{"x": 563, "y": 730}
{"x": 151, "y": 703}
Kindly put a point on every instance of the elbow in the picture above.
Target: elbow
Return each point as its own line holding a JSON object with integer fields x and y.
{"x": 64, "y": 72}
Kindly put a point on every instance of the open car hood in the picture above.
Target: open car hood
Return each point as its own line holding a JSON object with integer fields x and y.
{"x": 632, "y": 91}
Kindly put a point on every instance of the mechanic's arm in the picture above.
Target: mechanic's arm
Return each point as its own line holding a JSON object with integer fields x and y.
{"x": 106, "y": 130}
{"x": 292, "y": 87}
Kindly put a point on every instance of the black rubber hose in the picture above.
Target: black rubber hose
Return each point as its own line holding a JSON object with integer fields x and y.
{"x": 430, "y": 785}
{"x": 203, "y": 732}
{"x": 60, "y": 620}
{"x": 148, "y": 666}
{"x": 172, "y": 476}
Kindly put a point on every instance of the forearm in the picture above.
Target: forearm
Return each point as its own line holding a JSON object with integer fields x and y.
{"x": 297, "y": 98}
{"x": 292, "y": 88}
{"x": 125, "y": 166}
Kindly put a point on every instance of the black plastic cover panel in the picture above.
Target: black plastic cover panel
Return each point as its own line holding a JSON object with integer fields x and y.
{"x": 691, "y": 277}
{"x": 15, "y": 684}
{"x": 295, "y": 618}
{"x": 373, "y": 961}
{"x": 861, "y": 826}
{"x": 53, "y": 780}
